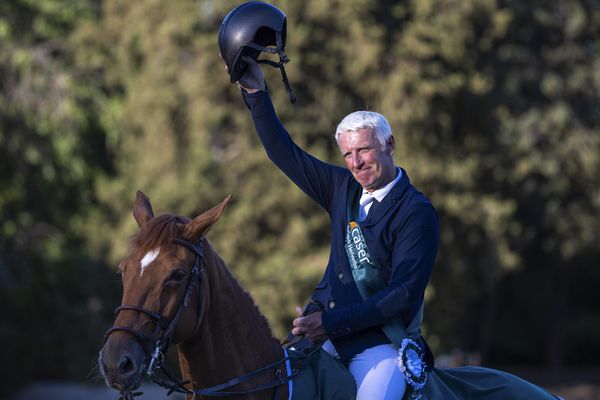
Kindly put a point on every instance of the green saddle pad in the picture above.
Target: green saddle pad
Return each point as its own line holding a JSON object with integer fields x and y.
{"x": 478, "y": 383}
{"x": 324, "y": 377}
{"x": 321, "y": 377}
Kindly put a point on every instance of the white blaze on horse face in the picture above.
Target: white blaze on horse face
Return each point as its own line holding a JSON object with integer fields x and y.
{"x": 148, "y": 258}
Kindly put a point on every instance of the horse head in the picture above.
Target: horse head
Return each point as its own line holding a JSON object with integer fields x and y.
{"x": 161, "y": 303}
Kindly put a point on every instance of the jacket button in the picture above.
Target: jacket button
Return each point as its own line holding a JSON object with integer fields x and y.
{"x": 340, "y": 275}
{"x": 331, "y": 304}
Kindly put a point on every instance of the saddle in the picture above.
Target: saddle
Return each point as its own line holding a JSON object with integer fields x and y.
{"x": 321, "y": 376}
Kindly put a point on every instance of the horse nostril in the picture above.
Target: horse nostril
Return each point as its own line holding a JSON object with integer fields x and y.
{"x": 126, "y": 365}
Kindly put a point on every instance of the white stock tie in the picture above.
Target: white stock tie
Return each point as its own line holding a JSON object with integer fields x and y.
{"x": 366, "y": 201}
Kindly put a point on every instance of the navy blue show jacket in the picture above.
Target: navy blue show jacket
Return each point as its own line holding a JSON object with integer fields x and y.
{"x": 402, "y": 233}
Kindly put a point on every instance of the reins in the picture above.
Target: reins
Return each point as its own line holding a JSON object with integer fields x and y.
{"x": 171, "y": 382}
{"x": 219, "y": 390}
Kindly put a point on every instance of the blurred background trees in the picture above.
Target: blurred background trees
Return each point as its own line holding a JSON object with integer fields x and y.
{"x": 495, "y": 111}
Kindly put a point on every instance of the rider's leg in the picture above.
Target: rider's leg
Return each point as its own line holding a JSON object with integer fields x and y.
{"x": 377, "y": 374}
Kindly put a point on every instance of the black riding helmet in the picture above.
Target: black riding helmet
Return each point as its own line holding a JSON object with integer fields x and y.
{"x": 250, "y": 29}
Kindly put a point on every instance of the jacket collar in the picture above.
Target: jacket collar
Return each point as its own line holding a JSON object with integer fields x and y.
{"x": 380, "y": 194}
{"x": 379, "y": 209}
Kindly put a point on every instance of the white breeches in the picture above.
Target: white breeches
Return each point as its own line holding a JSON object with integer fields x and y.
{"x": 376, "y": 372}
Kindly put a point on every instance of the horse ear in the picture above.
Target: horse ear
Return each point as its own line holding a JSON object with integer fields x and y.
{"x": 200, "y": 225}
{"x": 142, "y": 209}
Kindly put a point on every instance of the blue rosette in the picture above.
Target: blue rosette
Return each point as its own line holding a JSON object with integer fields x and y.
{"x": 413, "y": 367}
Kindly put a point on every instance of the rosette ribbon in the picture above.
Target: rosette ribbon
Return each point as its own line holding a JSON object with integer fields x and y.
{"x": 412, "y": 366}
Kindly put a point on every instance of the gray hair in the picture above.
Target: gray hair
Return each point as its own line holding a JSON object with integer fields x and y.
{"x": 366, "y": 119}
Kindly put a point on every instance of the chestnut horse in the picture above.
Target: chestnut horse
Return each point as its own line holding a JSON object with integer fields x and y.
{"x": 177, "y": 290}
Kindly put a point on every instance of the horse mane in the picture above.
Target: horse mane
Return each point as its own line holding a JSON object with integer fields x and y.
{"x": 260, "y": 320}
{"x": 157, "y": 231}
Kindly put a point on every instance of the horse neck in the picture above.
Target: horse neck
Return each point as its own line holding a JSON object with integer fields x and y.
{"x": 234, "y": 337}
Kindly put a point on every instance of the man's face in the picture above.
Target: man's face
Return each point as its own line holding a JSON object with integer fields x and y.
{"x": 372, "y": 166}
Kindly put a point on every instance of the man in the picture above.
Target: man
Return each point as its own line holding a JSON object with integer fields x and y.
{"x": 379, "y": 220}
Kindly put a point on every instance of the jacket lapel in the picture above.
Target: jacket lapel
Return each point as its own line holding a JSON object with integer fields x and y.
{"x": 380, "y": 209}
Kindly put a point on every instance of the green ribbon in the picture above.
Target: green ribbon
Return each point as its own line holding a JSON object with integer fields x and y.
{"x": 367, "y": 274}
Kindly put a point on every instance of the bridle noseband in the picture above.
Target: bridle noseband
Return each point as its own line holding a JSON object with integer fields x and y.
{"x": 164, "y": 324}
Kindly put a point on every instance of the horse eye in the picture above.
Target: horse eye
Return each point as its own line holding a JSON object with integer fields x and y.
{"x": 177, "y": 275}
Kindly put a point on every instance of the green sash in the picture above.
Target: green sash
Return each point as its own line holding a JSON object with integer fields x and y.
{"x": 367, "y": 274}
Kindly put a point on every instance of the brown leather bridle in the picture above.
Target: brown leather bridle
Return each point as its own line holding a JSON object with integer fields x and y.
{"x": 164, "y": 325}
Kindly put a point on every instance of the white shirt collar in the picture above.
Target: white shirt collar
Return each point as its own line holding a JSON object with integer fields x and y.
{"x": 379, "y": 194}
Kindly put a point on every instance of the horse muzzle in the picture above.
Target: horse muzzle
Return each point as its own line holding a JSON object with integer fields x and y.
{"x": 122, "y": 362}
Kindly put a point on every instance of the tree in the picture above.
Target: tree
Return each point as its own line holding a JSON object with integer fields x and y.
{"x": 48, "y": 160}
{"x": 496, "y": 105}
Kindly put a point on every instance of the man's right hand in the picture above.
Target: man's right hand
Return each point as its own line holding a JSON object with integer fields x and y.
{"x": 253, "y": 79}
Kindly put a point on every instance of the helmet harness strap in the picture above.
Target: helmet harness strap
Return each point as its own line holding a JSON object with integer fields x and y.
{"x": 283, "y": 59}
